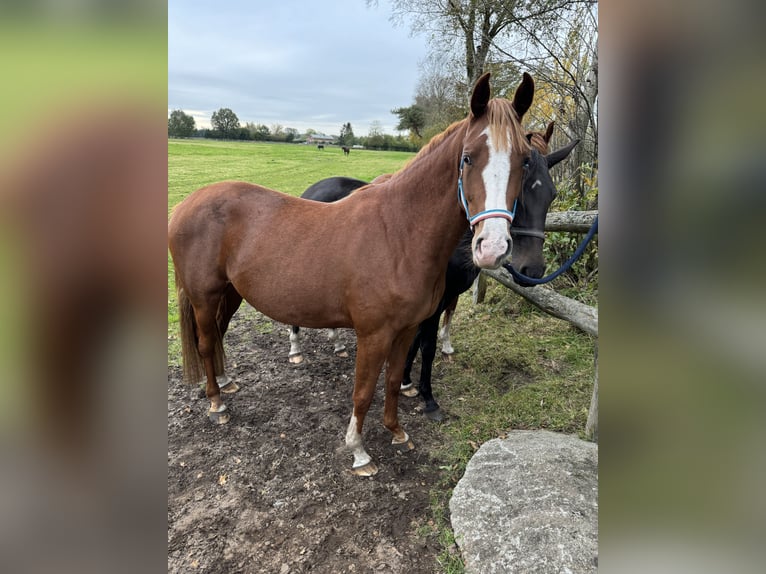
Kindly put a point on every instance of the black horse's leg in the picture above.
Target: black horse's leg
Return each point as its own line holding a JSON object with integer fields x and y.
{"x": 428, "y": 330}
{"x": 406, "y": 387}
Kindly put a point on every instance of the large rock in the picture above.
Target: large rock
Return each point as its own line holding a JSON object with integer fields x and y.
{"x": 529, "y": 504}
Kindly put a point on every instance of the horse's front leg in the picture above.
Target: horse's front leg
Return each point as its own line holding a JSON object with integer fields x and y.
{"x": 428, "y": 329}
{"x": 370, "y": 355}
{"x": 394, "y": 371}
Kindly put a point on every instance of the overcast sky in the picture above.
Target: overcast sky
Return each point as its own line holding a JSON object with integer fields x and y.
{"x": 299, "y": 63}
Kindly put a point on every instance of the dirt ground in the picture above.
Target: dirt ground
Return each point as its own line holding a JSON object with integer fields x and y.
{"x": 271, "y": 491}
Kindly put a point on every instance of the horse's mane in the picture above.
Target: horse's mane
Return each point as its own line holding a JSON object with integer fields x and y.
{"x": 432, "y": 143}
{"x": 502, "y": 120}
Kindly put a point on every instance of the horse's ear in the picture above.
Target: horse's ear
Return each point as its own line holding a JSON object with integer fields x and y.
{"x": 480, "y": 96}
{"x": 548, "y": 133}
{"x": 522, "y": 99}
{"x": 556, "y": 156}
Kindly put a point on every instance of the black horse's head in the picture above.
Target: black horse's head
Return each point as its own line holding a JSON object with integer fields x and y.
{"x": 538, "y": 192}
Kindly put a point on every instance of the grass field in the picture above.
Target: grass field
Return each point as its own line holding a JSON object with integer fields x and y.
{"x": 515, "y": 367}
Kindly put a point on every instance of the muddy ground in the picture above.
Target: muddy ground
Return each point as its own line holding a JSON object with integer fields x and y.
{"x": 271, "y": 491}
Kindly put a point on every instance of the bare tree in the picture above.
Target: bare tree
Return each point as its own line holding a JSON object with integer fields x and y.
{"x": 563, "y": 57}
{"x": 554, "y": 40}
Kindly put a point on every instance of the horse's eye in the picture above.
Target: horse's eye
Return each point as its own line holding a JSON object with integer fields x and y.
{"x": 526, "y": 163}
{"x": 467, "y": 160}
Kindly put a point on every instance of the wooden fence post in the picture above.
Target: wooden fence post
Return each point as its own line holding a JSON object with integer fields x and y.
{"x": 479, "y": 289}
{"x": 591, "y": 427}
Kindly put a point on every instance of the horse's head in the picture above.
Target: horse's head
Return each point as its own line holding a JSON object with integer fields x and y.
{"x": 540, "y": 140}
{"x": 494, "y": 153}
{"x": 538, "y": 192}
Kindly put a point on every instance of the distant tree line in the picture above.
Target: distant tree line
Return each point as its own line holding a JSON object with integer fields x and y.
{"x": 226, "y": 125}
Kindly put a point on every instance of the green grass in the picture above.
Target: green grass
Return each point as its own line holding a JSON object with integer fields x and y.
{"x": 515, "y": 367}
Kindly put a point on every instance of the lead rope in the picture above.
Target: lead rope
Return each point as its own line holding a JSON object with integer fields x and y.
{"x": 565, "y": 267}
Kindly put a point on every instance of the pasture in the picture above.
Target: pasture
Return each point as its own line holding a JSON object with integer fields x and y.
{"x": 269, "y": 490}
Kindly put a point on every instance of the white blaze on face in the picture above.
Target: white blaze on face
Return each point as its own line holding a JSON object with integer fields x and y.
{"x": 493, "y": 243}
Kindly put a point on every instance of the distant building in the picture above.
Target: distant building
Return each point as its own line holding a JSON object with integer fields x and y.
{"x": 321, "y": 139}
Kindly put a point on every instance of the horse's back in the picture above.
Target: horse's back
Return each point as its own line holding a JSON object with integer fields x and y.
{"x": 332, "y": 189}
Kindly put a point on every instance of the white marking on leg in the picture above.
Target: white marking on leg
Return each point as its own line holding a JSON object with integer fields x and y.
{"x": 354, "y": 442}
{"x": 333, "y": 335}
{"x": 447, "y": 348}
{"x": 295, "y": 344}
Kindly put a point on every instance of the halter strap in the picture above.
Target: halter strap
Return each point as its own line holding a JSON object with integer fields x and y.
{"x": 530, "y": 232}
{"x": 482, "y": 215}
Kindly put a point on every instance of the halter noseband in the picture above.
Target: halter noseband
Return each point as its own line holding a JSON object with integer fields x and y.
{"x": 482, "y": 215}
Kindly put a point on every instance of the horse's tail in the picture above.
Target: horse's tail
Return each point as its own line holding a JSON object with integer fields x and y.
{"x": 193, "y": 365}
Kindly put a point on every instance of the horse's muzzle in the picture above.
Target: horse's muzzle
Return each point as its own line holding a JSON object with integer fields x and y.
{"x": 489, "y": 253}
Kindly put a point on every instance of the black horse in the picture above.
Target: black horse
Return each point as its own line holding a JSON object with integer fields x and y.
{"x": 346, "y": 150}
{"x": 538, "y": 192}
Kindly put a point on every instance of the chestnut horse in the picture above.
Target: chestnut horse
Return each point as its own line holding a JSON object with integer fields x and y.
{"x": 381, "y": 275}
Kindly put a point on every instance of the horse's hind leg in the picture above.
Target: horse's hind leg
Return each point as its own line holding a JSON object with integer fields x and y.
{"x": 210, "y": 348}
{"x": 295, "y": 356}
{"x": 406, "y": 387}
{"x": 229, "y": 305}
{"x": 447, "y": 349}
{"x": 339, "y": 347}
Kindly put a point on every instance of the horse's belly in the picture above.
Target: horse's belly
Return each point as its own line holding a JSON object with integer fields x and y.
{"x": 299, "y": 306}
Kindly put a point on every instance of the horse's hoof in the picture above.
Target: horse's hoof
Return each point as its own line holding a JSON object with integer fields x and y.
{"x": 409, "y": 391}
{"x": 437, "y": 415}
{"x": 295, "y": 359}
{"x": 447, "y": 357}
{"x": 229, "y": 388}
{"x": 404, "y": 447}
{"x": 219, "y": 417}
{"x": 342, "y": 354}
{"x": 368, "y": 469}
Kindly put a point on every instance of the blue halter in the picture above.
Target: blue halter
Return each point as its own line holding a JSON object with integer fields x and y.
{"x": 482, "y": 215}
